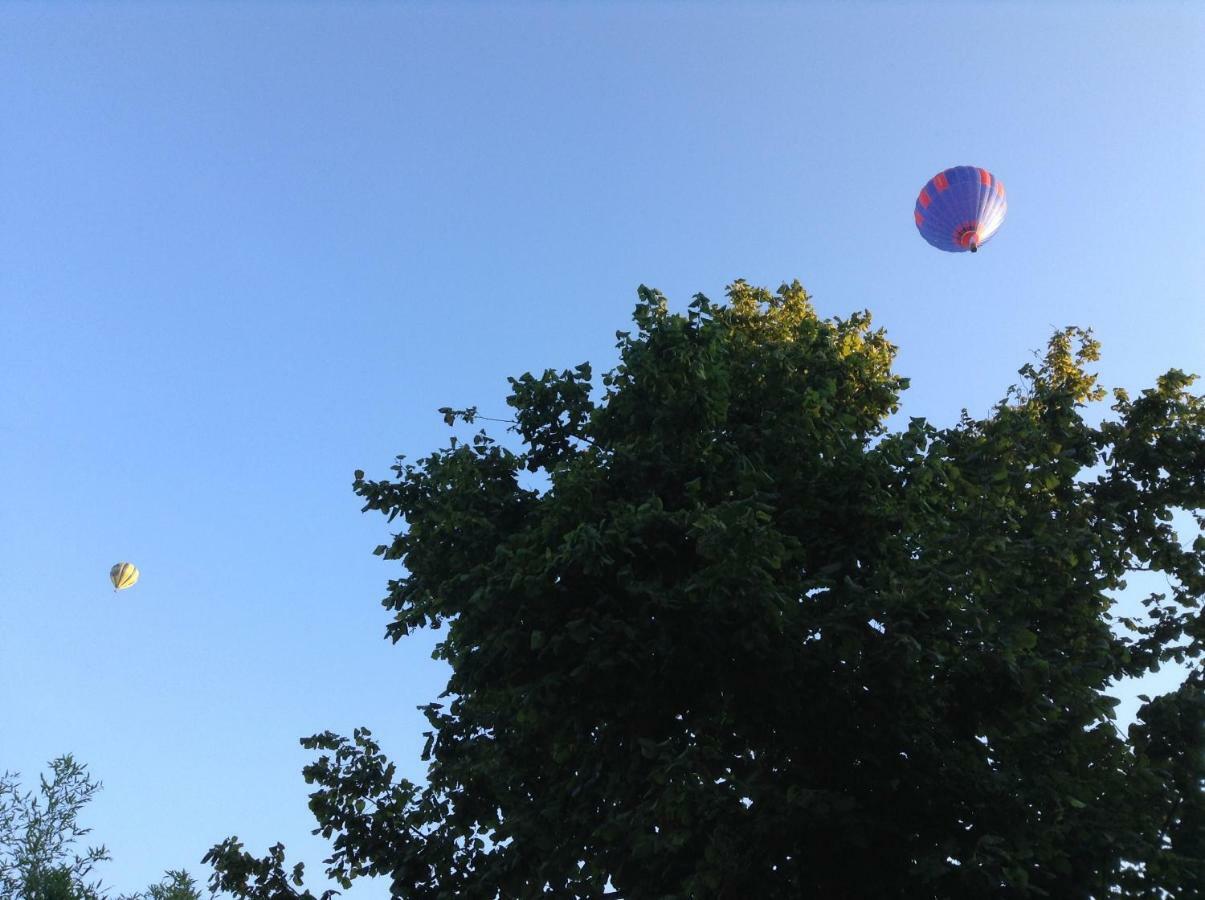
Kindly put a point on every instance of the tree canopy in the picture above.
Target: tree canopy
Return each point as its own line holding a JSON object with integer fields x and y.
{"x": 746, "y": 640}
{"x": 39, "y": 833}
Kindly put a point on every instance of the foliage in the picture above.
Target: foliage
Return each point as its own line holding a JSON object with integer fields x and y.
{"x": 38, "y": 835}
{"x": 749, "y": 642}
{"x": 176, "y": 884}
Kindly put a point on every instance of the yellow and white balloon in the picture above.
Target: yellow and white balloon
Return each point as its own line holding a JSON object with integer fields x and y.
{"x": 123, "y": 575}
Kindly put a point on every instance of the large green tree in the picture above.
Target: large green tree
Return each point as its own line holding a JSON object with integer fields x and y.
{"x": 747, "y": 642}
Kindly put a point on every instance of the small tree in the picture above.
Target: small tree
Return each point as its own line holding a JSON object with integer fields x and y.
{"x": 176, "y": 884}
{"x": 38, "y": 837}
{"x": 749, "y": 643}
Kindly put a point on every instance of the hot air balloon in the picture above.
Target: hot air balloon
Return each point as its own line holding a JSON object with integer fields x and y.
{"x": 123, "y": 575}
{"x": 960, "y": 209}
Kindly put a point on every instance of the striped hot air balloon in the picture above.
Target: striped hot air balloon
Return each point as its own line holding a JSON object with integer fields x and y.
{"x": 960, "y": 208}
{"x": 123, "y": 575}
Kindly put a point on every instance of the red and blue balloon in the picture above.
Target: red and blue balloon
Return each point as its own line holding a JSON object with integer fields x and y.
{"x": 960, "y": 209}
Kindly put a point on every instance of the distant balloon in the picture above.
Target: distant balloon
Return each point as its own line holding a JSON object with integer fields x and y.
{"x": 960, "y": 209}
{"x": 123, "y": 575}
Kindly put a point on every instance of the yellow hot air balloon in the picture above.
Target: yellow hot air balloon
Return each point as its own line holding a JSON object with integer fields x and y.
{"x": 123, "y": 575}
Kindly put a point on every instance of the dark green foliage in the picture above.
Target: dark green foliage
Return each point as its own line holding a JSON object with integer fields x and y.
{"x": 747, "y": 643}
{"x": 53, "y": 884}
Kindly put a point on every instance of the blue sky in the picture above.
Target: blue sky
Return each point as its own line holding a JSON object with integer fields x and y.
{"x": 246, "y": 249}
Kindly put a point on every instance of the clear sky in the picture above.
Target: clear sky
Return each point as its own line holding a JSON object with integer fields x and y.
{"x": 246, "y": 249}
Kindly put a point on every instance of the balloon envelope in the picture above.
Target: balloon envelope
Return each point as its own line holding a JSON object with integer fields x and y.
{"x": 960, "y": 209}
{"x": 123, "y": 575}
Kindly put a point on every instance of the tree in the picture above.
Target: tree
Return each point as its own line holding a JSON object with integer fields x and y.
{"x": 38, "y": 835}
{"x": 176, "y": 884}
{"x": 750, "y": 642}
